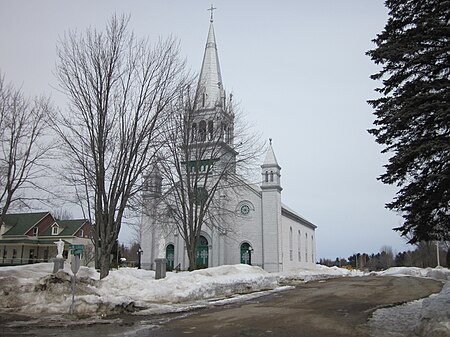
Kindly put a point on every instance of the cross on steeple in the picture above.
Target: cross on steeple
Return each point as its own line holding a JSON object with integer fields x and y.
{"x": 212, "y": 8}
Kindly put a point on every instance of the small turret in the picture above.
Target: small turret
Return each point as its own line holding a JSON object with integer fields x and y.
{"x": 271, "y": 212}
{"x": 271, "y": 171}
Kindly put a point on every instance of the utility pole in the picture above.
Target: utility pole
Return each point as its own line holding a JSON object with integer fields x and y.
{"x": 437, "y": 254}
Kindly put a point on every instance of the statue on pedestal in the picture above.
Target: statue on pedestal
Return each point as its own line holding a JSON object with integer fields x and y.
{"x": 60, "y": 247}
{"x": 58, "y": 262}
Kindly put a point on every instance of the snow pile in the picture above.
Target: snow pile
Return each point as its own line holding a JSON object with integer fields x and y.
{"x": 141, "y": 287}
{"x": 34, "y": 289}
{"x": 434, "y": 319}
{"x": 320, "y": 272}
{"x": 432, "y": 314}
{"x": 438, "y": 273}
{"x": 397, "y": 321}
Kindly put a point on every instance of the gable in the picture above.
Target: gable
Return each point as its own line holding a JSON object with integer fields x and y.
{"x": 72, "y": 227}
{"x": 22, "y": 223}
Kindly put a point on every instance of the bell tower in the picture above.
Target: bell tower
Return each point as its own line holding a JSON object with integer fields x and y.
{"x": 211, "y": 120}
{"x": 152, "y": 185}
{"x": 271, "y": 212}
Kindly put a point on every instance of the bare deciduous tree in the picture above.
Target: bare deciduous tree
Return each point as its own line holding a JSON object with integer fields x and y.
{"x": 119, "y": 89}
{"x": 386, "y": 257}
{"x": 62, "y": 214}
{"x": 88, "y": 255}
{"x": 23, "y": 146}
{"x": 202, "y": 164}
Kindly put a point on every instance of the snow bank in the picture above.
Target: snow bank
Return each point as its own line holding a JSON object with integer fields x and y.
{"x": 434, "y": 318}
{"x": 34, "y": 289}
{"x": 141, "y": 287}
{"x": 432, "y": 314}
{"x": 427, "y": 317}
{"x": 320, "y": 272}
{"x": 437, "y": 273}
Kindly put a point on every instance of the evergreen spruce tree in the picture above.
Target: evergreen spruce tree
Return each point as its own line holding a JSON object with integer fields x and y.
{"x": 413, "y": 114}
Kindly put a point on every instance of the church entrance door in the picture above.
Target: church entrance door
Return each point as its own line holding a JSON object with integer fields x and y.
{"x": 170, "y": 253}
{"x": 246, "y": 253}
{"x": 202, "y": 253}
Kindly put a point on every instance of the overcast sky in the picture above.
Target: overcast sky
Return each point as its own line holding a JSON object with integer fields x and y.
{"x": 298, "y": 69}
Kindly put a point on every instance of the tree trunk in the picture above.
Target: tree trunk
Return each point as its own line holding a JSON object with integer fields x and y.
{"x": 105, "y": 262}
{"x": 192, "y": 260}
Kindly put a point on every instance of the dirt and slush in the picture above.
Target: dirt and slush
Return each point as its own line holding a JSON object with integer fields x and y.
{"x": 334, "y": 307}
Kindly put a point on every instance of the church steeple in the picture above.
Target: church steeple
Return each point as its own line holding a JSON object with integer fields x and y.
{"x": 210, "y": 92}
{"x": 211, "y": 121}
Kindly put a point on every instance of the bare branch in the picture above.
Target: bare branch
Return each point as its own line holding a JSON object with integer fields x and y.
{"x": 120, "y": 88}
{"x": 24, "y": 146}
{"x": 201, "y": 163}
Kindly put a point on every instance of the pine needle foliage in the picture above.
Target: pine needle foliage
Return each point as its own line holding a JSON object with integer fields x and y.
{"x": 413, "y": 114}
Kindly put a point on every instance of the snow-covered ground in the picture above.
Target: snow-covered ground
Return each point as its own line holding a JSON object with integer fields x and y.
{"x": 33, "y": 289}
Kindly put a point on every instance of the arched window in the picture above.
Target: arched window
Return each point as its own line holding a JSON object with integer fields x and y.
{"x": 267, "y": 176}
{"x": 210, "y": 130}
{"x": 299, "y": 246}
{"x": 194, "y": 132}
{"x": 202, "y": 253}
{"x": 202, "y": 130}
{"x": 246, "y": 253}
{"x": 203, "y": 99}
{"x": 291, "y": 257}
{"x": 271, "y": 176}
{"x": 306, "y": 247}
{"x": 170, "y": 254}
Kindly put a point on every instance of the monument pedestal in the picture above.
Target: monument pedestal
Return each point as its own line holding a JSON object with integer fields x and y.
{"x": 160, "y": 270}
{"x": 58, "y": 264}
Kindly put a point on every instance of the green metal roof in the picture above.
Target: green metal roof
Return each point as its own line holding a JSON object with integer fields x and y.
{"x": 68, "y": 227}
{"x": 22, "y": 222}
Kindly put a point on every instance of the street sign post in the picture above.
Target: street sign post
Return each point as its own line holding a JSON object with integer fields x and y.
{"x": 75, "y": 266}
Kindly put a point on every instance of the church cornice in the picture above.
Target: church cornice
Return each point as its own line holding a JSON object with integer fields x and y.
{"x": 271, "y": 187}
{"x": 263, "y": 166}
{"x": 213, "y": 145}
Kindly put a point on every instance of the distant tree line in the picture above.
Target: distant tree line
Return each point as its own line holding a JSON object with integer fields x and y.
{"x": 425, "y": 255}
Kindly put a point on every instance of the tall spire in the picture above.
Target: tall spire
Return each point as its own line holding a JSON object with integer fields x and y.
{"x": 210, "y": 91}
{"x": 270, "y": 159}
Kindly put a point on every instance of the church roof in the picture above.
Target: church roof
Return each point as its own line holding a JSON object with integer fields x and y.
{"x": 210, "y": 81}
{"x": 270, "y": 160}
{"x": 293, "y": 215}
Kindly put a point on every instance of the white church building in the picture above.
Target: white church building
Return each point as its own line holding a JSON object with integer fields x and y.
{"x": 266, "y": 232}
